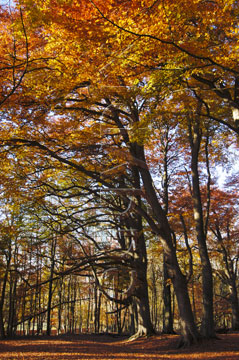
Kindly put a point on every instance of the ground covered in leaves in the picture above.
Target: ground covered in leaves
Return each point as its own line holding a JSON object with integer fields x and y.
{"x": 103, "y": 347}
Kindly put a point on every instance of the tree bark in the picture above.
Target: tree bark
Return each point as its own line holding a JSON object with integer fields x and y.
{"x": 207, "y": 325}
{"x": 145, "y": 327}
{"x": 235, "y": 307}
{"x": 2, "y": 300}
{"x": 167, "y": 309}
{"x": 162, "y": 228}
{"x": 139, "y": 289}
{"x": 50, "y": 293}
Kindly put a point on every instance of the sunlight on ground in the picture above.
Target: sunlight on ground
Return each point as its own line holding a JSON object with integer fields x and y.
{"x": 106, "y": 348}
{"x": 120, "y": 356}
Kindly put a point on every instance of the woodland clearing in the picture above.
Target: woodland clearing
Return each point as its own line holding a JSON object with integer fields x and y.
{"x": 92, "y": 347}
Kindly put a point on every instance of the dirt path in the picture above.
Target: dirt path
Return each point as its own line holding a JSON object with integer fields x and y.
{"x": 108, "y": 348}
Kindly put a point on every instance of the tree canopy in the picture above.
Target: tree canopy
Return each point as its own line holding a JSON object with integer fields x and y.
{"x": 115, "y": 118}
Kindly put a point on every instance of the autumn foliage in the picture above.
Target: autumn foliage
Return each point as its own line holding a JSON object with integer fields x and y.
{"x": 118, "y": 178}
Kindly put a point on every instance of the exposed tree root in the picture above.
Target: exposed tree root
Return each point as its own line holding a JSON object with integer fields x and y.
{"x": 186, "y": 341}
{"x": 141, "y": 333}
{"x": 189, "y": 340}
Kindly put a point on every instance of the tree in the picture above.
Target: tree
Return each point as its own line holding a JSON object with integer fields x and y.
{"x": 7, "y": 253}
{"x": 14, "y": 56}
{"x": 222, "y": 226}
{"x": 97, "y": 123}
{"x": 195, "y": 135}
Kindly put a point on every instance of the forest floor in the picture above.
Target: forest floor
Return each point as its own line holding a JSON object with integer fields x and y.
{"x": 92, "y": 347}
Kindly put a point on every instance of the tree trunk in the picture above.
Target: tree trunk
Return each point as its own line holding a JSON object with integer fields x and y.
{"x": 12, "y": 301}
{"x": 189, "y": 330}
{"x": 53, "y": 250}
{"x": 154, "y": 305}
{"x": 159, "y": 224}
{"x": 2, "y": 300}
{"x": 96, "y": 310}
{"x": 231, "y": 275}
{"x": 139, "y": 288}
{"x": 167, "y": 308}
{"x": 235, "y": 307}
{"x": 207, "y": 326}
{"x": 145, "y": 327}
{"x": 60, "y": 296}
{"x": 88, "y": 311}
{"x": 132, "y": 320}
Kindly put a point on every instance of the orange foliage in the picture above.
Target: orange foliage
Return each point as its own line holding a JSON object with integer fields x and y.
{"x": 103, "y": 347}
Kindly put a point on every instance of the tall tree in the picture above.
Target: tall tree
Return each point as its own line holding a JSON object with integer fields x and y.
{"x": 195, "y": 135}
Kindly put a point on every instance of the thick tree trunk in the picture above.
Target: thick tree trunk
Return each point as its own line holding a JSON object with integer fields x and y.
{"x": 140, "y": 284}
{"x": 189, "y": 330}
{"x": 207, "y": 326}
{"x": 144, "y": 324}
{"x": 235, "y": 308}
{"x": 145, "y": 327}
{"x": 162, "y": 228}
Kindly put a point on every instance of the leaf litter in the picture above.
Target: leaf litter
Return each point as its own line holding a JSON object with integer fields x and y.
{"x": 104, "y": 347}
